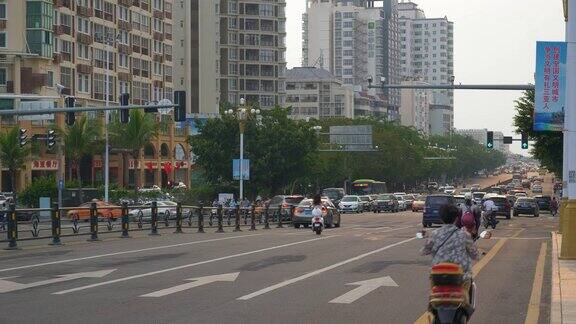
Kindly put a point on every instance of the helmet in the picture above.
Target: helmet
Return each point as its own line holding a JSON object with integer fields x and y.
{"x": 468, "y": 196}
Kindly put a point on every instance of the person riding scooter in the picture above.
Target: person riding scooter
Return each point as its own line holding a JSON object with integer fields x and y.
{"x": 470, "y": 207}
{"x": 489, "y": 213}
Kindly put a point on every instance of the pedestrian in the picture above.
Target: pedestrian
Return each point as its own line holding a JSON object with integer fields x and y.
{"x": 554, "y": 206}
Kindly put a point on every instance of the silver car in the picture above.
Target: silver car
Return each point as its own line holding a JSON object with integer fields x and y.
{"x": 166, "y": 210}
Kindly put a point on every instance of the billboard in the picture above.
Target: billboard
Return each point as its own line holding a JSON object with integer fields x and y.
{"x": 245, "y": 169}
{"x": 550, "y": 87}
{"x": 352, "y": 138}
{"x": 34, "y": 105}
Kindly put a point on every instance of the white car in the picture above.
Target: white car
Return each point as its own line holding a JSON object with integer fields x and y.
{"x": 350, "y": 204}
{"x": 449, "y": 190}
{"x": 166, "y": 209}
{"x": 402, "y": 203}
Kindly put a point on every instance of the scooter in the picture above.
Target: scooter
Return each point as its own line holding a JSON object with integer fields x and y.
{"x": 447, "y": 303}
{"x": 317, "y": 225}
{"x": 490, "y": 220}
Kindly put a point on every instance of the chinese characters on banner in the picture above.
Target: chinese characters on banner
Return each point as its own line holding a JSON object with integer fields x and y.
{"x": 550, "y": 86}
{"x": 45, "y": 165}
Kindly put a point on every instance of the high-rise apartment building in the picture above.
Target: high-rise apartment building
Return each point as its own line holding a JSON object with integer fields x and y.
{"x": 253, "y": 52}
{"x": 415, "y": 108}
{"x": 355, "y": 40}
{"x": 427, "y": 52}
{"x": 197, "y": 54}
{"x": 481, "y": 136}
{"x": 93, "y": 50}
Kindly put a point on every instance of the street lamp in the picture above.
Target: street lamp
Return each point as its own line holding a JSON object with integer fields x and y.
{"x": 242, "y": 113}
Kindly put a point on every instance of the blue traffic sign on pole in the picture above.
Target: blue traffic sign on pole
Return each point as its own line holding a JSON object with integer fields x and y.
{"x": 60, "y": 184}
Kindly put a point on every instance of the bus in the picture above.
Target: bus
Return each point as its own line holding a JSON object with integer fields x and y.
{"x": 368, "y": 187}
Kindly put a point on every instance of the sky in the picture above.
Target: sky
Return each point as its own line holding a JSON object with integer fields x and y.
{"x": 494, "y": 43}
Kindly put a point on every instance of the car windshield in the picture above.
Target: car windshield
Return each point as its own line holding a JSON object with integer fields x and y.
{"x": 525, "y": 200}
{"x": 293, "y": 200}
{"x": 449, "y": 188}
{"x": 437, "y": 200}
{"x": 308, "y": 203}
{"x": 332, "y": 194}
{"x": 167, "y": 203}
{"x": 478, "y": 195}
{"x": 365, "y": 198}
{"x": 350, "y": 199}
{"x": 399, "y": 197}
{"x": 385, "y": 197}
{"x": 499, "y": 200}
{"x": 548, "y": 199}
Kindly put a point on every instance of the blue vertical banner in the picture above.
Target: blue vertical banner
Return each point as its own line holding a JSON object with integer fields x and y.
{"x": 550, "y": 86}
{"x": 245, "y": 169}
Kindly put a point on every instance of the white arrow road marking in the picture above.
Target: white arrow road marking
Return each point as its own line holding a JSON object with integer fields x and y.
{"x": 10, "y": 286}
{"x": 365, "y": 288}
{"x": 319, "y": 271}
{"x": 200, "y": 281}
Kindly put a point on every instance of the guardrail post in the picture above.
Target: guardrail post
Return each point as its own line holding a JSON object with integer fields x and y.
{"x": 201, "y": 219}
{"x": 178, "y": 219}
{"x": 12, "y": 229}
{"x": 266, "y": 220}
{"x": 125, "y": 221}
{"x": 56, "y": 224}
{"x": 237, "y": 227}
{"x": 154, "y": 219}
{"x": 253, "y": 218}
{"x": 93, "y": 223}
{"x": 280, "y": 217}
{"x": 220, "y": 220}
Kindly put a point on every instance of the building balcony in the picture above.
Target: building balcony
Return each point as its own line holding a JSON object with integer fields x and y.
{"x": 85, "y": 11}
{"x": 31, "y": 81}
{"x": 124, "y": 49}
{"x": 123, "y": 76}
{"x": 158, "y": 36}
{"x": 63, "y": 3}
{"x": 168, "y": 78}
{"x": 158, "y": 58}
{"x": 158, "y": 83}
{"x": 168, "y": 36}
{"x": 84, "y": 68}
{"x": 159, "y": 14}
{"x": 145, "y": 6}
{"x": 125, "y": 3}
{"x": 124, "y": 25}
{"x": 3, "y": 24}
{"x": 167, "y": 14}
{"x": 62, "y": 29}
{"x": 85, "y": 39}
{"x": 57, "y": 58}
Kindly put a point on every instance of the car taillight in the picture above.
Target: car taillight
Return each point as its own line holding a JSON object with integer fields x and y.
{"x": 424, "y": 209}
{"x": 285, "y": 205}
{"x": 298, "y": 210}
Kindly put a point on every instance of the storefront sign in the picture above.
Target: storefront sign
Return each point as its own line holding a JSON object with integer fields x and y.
{"x": 45, "y": 165}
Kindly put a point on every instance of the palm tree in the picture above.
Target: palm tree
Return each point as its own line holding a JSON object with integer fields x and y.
{"x": 131, "y": 138}
{"x": 12, "y": 155}
{"x": 80, "y": 139}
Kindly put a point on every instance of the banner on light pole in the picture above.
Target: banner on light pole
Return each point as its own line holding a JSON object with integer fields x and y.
{"x": 550, "y": 87}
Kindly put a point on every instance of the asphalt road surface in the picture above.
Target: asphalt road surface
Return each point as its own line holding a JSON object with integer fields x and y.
{"x": 368, "y": 271}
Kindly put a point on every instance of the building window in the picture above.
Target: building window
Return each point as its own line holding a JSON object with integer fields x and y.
{"x": 232, "y": 84}
{"x": 3, "y": 80}
{"x": 83, "y": 25}
{"x": 123, "y": 60}
{"x": 84, "y": 83}
{"x": 83, "y": 3}
{"x": 50, "y": 77}
{"x": 123, "y": 13}
{"x": 83, "y": 51}
{"x": 157, "y": 68}
{"x": 267, "y": 10}
{"x": 3, "y": 39}
{"x": 3, "y": 11}
{"x": 66, "y": 77}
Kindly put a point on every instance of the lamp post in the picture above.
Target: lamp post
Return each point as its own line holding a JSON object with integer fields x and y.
{"x": 242, "y": 113}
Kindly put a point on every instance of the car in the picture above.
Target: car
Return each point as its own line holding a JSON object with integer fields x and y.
{"x": 366, "y": 203}
{"x": 432, "y": 207}
{"x": 303, "y": 213}
{"x": 418, "y": 204}
{"x": 286, "y": 202}
{"x": 459, "y": 200}
{"x": 478, "y": 196}
{"x": 536, "y": 188}
{"x": 464, "y": 191}
{"x": 432, "y": 186}
{"x": 335, "y": 194}
{"x": 103, "y": 210}
{"x": 402, "y": 203}
{"x": 166, "y": 210}
{"x": 350, "y": 203}
{"x": 512, "y": 199}
{"x": 543, "y": 202}
{"x": 503, "y": 206}
{"x": 449, "y": 190}
{"x": 475, "y": 187}
{"x": 409, "y": 199}
{"x": 527, "y": 206}
{"x": 386, "y": 202}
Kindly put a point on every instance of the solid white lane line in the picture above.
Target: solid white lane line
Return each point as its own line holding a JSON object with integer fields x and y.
{"x": 319, "y": 271}
{"x": 124, "y": 252}
{"x": 104, "y": 283}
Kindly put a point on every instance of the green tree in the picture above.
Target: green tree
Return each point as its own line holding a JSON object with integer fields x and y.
{"x": 12, "y": 156}
{"x": 547, "y": 146}
{"x": 131, "y": 138}
{"x": 80, "y": 139}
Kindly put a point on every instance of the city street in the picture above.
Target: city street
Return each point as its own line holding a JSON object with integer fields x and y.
{"x": 271, "y": 276}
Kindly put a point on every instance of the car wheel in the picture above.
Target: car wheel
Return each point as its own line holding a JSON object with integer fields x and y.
{"x": 515, "y": 214}
{"x": 536, "y": 215}
{"x": 337, "y": 225}
{"x": 296, "y": 225}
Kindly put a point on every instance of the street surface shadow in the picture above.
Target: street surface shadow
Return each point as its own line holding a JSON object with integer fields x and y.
{"x": 149, "y": 258}
{"x": 378, "y": 266}
{"x": 269, "y": 262}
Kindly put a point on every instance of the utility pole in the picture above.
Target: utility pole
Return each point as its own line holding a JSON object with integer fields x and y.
{"x": 569, "y": 218}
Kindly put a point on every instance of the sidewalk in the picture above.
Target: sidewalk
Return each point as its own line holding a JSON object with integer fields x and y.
{"x": 563, "y": 308}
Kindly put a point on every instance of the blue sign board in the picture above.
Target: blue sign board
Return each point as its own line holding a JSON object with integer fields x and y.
{"x": 60, "y": 184}
{"x": 245, "y": 169}
{"x": 550, "y": 86}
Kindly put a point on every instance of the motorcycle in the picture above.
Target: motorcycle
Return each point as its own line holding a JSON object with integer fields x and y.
{"x": 490, "y": 220}
{"x": 448, "y": 303}
{"x": 317, "y": 225}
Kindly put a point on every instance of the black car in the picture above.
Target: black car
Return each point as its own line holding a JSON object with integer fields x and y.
{"x": 386, "y": 203}
{"x": 432, "y": 208}
{"x": 526, "y": 206}
{"x": 543, "y": 202}
{"x": 503, "y": 206}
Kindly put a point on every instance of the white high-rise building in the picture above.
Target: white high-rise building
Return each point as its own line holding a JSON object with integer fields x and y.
{"x": 427, "y": 54}
{"x": 481, "y": 136}
{"x": 415, "y": 107}
{"x": 354, "y": 40}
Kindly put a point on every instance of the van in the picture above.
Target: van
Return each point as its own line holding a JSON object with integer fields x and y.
{"x": 432, "y": 208}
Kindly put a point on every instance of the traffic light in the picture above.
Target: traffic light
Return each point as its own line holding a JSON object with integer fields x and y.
{"x": 70, "y": 117}
{"x": 51, "y": 140}
{"x": 180, "y": 109}
{"x": 23, "y": 137}
{"x": 490, "y": 139}
{"x": 524, "y": 141}
{"x": 124, "y": 113}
